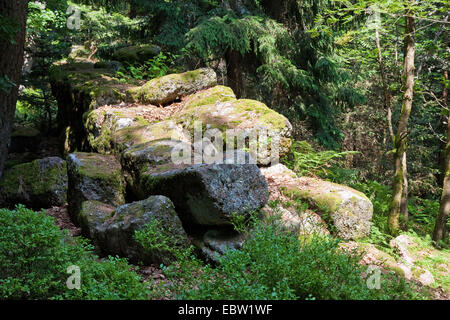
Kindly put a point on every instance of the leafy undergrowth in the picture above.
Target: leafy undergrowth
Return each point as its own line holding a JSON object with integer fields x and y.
{"x": 35, "y": 255}
{"x": 275, "y": 264}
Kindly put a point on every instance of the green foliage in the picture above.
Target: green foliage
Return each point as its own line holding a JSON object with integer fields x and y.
{"x": 156, "y": 67}
{"x": 46, "y": 34}
{"x": 35, "y": 255}
{"x": 295, "y": 73}
{"x": 153, "y": 237}
{"x": 275, "y": 264}
{"x": 304, "y": 160}
{"x": 102, "y": 31}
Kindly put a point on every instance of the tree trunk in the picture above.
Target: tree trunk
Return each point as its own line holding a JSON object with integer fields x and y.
{"x": 441, "y": 220}
{"x": 404, "y": 201}
{"x": 11, "y": 61}
{"x": 402, "y": 130}
{"x": 234, "y": 72}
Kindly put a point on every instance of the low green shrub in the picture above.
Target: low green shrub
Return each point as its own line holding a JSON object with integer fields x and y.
{"x": 275, "y": 264}
{"x": 155, "y": 67}
{"x": 35, "y": 255}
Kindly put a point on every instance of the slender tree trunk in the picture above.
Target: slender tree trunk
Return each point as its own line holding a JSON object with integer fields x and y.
{"x": 11, "y": 61}
{"x": 387, "y": 106}
{"x": 400, "y": 136}
{"x": 441, "y": 220}
{"x": 404, "y": 202}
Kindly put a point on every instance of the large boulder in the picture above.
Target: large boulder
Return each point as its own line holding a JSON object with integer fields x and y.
{"x": 93, "y": 177}
{"x": 172, "y": 87}
{"x": 113, "y": 231}
{"x": 137, "y": 135}
{"x": 38, "y": 184}
{"x": 347, "y": 210}
{"x": 92, "y": 215}
{"x": 139, "y": 123}
{"x": 402, "y": 262}
{"x": 204, "y": 194}
{"x": 217, "y": 108}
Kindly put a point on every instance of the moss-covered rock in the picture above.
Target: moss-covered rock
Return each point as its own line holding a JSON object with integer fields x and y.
{"x": 79, "y": 88}
{"x": 116, "y": 235}
{"x": 101, "y": 125}
{"x": 37, "y": 184}
{"x": 150, "y": 154}
{"x": 131, "y": 136}
{"x": 173, "y": 86}
{"x": 347, "y": 211}
{"x": 209, "y": 97}
{"x": 205, "y": 194}
{"x": 24, "y": 139}
{"x": 217, "y": 108}
{"x": 136, "y": 54}
{"x": 93, "y": 177}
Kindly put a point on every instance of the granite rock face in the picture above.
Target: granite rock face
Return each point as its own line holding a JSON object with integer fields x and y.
{"x": 204, "y": 194}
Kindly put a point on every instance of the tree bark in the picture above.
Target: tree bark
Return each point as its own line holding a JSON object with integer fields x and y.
{"x": 402, "y": 129}
{"x": 234, "y": 72}
{"x": 441, "y": 220}
{"x": 11, "y": 61}
{"x": 404, "y": 201}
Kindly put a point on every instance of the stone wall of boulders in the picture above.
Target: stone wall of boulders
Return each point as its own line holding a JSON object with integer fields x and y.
{"x": 119, "y": 176}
